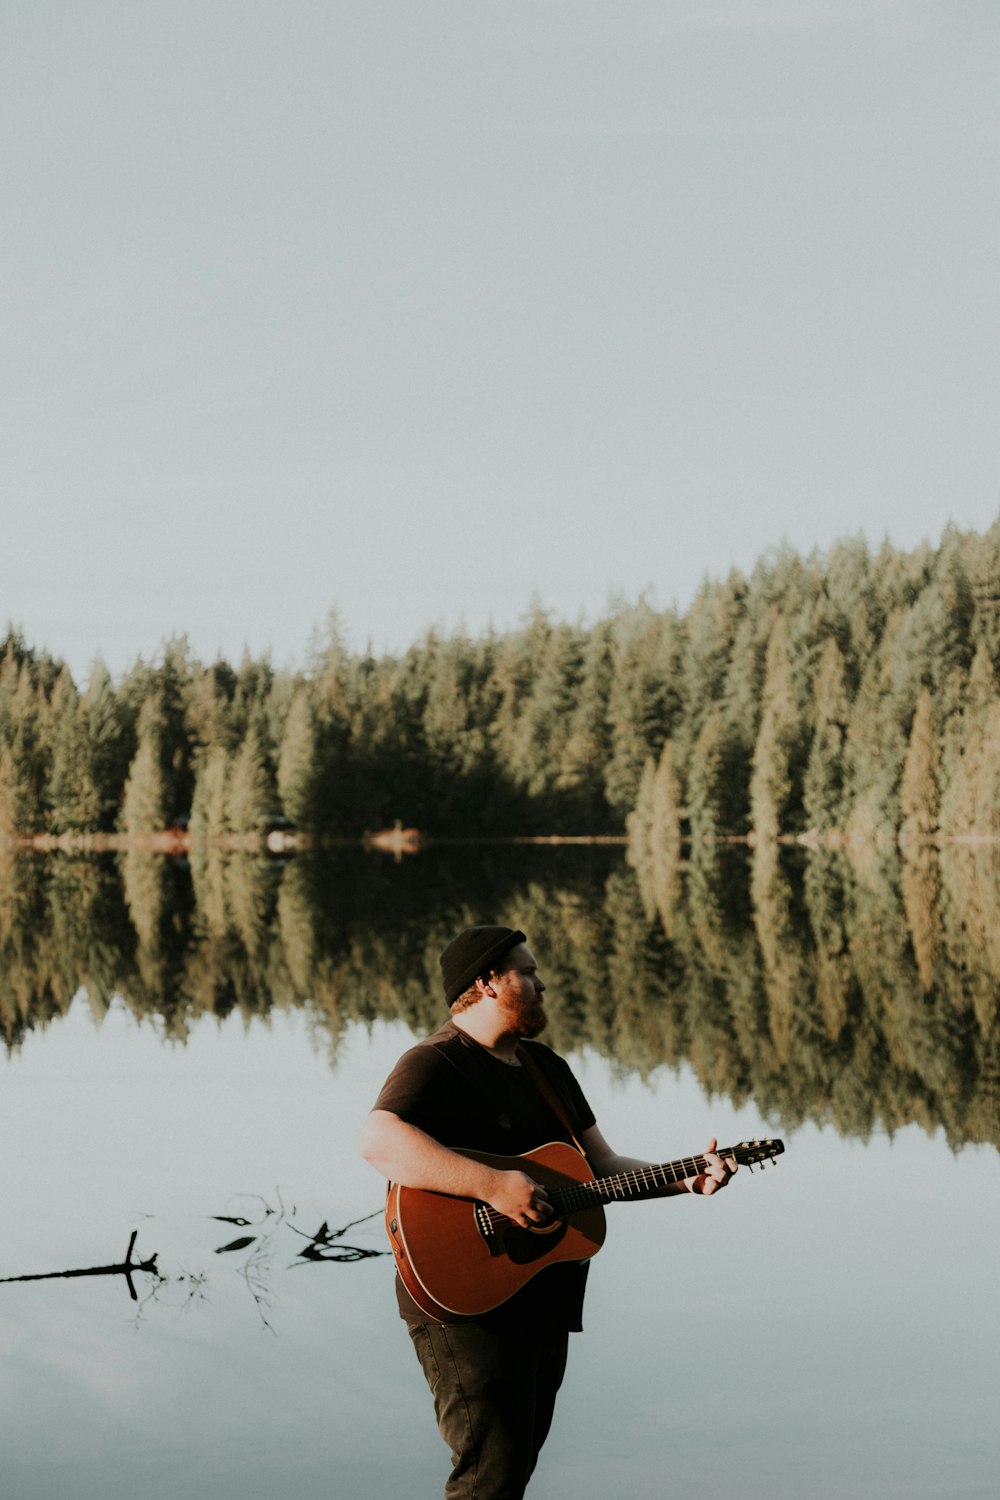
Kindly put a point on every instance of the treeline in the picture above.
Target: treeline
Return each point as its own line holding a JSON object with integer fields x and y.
{"x": 853, "y": 693}
{"x": 867, "y": 999}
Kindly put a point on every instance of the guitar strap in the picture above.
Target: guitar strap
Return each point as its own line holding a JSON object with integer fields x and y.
{"x": 548, "y": 1093}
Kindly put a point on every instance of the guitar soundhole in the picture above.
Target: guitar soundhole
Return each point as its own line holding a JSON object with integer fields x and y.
{"x": 522, "y": 1246}
{"x": 549, "y": 1227}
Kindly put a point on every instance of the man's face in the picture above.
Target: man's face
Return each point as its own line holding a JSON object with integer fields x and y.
{"x": 519, "y": 990}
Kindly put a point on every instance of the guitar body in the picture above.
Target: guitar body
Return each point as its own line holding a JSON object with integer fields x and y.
{"x": 460, "y": 1258}
{"x": 457, "y": 1257}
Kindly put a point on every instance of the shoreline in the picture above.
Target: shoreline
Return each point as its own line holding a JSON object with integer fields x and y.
{"x": 176, "y": 841}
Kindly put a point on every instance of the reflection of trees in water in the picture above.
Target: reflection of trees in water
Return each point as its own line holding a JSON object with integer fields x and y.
{"x": 864, "y": 995}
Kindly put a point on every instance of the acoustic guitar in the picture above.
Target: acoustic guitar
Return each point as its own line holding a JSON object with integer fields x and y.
{"x": 460, "y": 1257}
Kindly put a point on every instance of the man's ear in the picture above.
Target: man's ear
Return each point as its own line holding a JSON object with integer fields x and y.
{"x": 486, "y": 986}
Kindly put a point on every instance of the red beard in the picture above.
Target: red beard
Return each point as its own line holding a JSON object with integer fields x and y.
{"x": 527, "y": 1019}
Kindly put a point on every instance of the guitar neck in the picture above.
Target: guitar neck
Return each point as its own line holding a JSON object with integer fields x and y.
{"x": 640, "y": 1182}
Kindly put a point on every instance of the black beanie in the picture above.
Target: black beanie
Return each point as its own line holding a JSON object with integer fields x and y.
{"x": 474, "y": 950}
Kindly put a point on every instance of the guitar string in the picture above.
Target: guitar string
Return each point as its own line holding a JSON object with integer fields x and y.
{"x": 580, "y": 1194}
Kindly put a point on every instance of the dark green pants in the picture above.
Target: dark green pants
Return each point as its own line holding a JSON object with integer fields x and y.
{"x": 494, "y": 1395}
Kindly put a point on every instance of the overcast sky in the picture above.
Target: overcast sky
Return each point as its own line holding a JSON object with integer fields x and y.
{"x": 416, "y": 310}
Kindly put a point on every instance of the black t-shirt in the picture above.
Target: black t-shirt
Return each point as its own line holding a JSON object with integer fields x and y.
{"x": 459, "y": 1093}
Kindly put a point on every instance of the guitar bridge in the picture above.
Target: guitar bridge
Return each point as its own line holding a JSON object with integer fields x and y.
{"x": 487, "y": 1229}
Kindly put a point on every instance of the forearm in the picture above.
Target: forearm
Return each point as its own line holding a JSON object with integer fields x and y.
{"x": 407, "y": 1155}
{"x": 605, "y": 1162}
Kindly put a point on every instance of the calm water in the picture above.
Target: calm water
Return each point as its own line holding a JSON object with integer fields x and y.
{"x": 826, "y": 1328}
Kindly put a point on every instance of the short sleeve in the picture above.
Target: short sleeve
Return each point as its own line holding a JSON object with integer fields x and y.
{"x": 421, "y": 1090}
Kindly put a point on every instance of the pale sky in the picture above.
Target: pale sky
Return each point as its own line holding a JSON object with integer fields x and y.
{"x": 419, "y": 310}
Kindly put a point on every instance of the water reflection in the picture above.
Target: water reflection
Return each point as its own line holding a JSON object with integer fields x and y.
{"x": 252, "y": 1259}
{"x": 860, "y": 994}
{"x": 126, "y": 1268}
{"x": 760, "y": 1314}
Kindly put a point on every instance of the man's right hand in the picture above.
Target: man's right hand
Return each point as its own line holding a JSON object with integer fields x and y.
{"x": 520, "y": 1199}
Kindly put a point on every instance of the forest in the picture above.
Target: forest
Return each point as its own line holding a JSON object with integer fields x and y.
{"x": 851, "y": 696}
{"x": 805, "y": 764}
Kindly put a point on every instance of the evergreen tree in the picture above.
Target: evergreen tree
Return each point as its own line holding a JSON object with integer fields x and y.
{"x": 250, "y": 792}
{"x": 711, "y": 627}
{"x": 297, "y": 763}
{"x": 111, "y": 744}
{"x": 144, "y": 800}
{"x": 209, "y": 716}
{"x": 716, "y": 782}
{"x": 543, "y": 728}
{"x": 639, "y": 830}
{"x": 73, "y": 796}
{"x": 779, "y": 740}
{"x": 644, "y": 698}
{"x": 208, "y": 805}
{"x": 588, "y": 742}
{"x": 513, "y": 674}
{"x": 8, "y": 797}
{"x": 921, "y": 887}
{"x": 875, "y": 748}
{"x": 665, "y": 839}
{"x": 969, "y": 754}
{"x": 452, "y": 730}
{"x": 822, "y": 789}
{"x": 27, "y": 682}
{"x": 919, "y": 795}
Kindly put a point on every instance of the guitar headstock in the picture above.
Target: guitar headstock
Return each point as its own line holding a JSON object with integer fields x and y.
{"x": 755, "y": 1153}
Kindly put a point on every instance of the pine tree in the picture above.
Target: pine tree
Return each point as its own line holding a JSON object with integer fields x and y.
{"x": 823, "y": 783}
{"x": 875, "y": 749}
{"x": 665, "y": 838}
{"x": 639, "y": 831}
{"x": 921, "y": 887}
{"x": 665, "y": 830}
{"x": 298, "y": 762}
{"x": 644, "y": 698}
{"x": 144, "y": 800}
{"x": 511, "y": 681}
{"x": 969, "y": 754}
{"x": 8, "y": 797}
{"x": 543, "y": 727}
{"x": 588, "y": 742}
{"x": 208, "y": 805}
{"x": 209, "y": 715}
{"x": 712, "y": 626}
{"x": 30, "y": 756}
{"x": 919, "y": 796}
{"x": 73, "y": 797}
{"x": 111, "y": 744}
{"x": 716, "y": 780}
{"x": 250, "y": 792}
{"x": 778, "y": 738}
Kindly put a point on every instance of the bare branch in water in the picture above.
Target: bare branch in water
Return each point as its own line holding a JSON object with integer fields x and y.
{"x": 323, "y": 1244}
{"x": 240, "y": 1244}
{"x": 120, "y": 1268}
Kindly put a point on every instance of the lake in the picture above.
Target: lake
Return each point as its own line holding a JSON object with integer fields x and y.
{"x": 191, "y": 1054}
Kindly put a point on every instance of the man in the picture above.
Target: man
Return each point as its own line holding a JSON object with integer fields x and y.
{"x": 475, "y": 1084}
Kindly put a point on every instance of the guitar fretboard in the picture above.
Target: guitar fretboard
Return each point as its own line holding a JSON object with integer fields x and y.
{"x": 640, "y": 1182}
{"x": 626, "y": 1186}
